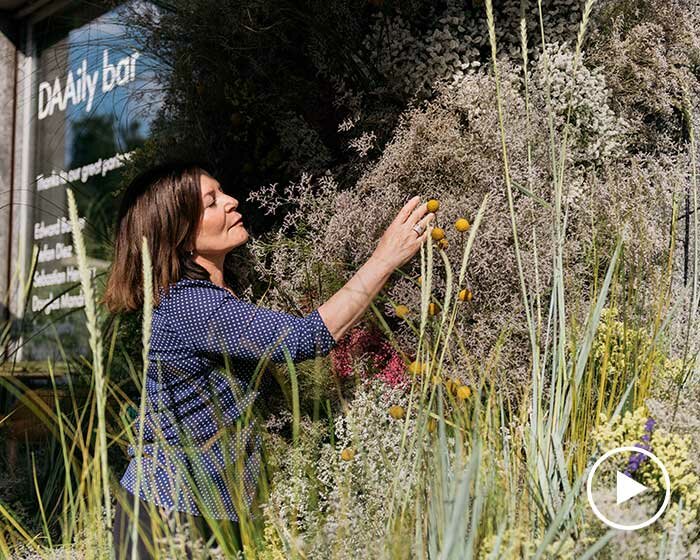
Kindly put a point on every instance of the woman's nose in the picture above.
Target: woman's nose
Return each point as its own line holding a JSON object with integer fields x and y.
{"x": 234, "y": 202}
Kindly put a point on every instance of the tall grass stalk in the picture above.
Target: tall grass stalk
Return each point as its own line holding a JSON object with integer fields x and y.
{"x": 436, "y": 355}
{"x": 97, "y": 367}
{"x": 692, "y": 312}
{"x": 546, "y": 459}
{"x": 24, "y": 287}
{"x": 506, "y": 171}
{"x": 147, "y": 269}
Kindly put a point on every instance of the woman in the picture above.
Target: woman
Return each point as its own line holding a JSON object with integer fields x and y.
{"x": 207, "y": 344}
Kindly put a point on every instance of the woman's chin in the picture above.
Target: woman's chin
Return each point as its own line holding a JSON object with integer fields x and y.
{"x": 241, "y": 239}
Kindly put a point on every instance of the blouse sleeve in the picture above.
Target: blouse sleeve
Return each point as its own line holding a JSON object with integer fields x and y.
{"x": 214, "y": 321}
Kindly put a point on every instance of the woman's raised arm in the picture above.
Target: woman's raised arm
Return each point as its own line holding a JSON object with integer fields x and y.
{"x": 215, "y": 322}
{"x": 397, "y": 246}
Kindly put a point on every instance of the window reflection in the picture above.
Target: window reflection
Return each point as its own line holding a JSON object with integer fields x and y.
{"x": 95, "y": 98}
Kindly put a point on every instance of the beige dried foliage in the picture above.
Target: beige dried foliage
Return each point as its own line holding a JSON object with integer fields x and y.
{"x": 650, "y": 52}
{"x": 450, "y": 149}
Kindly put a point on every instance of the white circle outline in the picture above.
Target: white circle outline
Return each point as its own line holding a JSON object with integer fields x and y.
{"x": 667, "y": 483}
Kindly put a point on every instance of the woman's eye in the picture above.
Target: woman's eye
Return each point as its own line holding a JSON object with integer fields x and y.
{"x": 213, "y": 203}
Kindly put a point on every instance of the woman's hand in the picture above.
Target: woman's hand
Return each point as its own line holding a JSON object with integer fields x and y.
{"x": 400, "y": 241}
{"x": 398, "y": 244}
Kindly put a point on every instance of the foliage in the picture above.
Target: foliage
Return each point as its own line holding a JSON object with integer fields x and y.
{"x": 570, "y": 179}
{"x": 650, "y": 53}
{"x": 449, "y": 148}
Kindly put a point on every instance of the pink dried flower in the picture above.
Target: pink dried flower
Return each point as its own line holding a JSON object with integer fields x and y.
{"x": 370, "y": 355}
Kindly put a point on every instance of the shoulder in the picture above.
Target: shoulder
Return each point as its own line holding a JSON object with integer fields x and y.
{"x": 191, "y": 293}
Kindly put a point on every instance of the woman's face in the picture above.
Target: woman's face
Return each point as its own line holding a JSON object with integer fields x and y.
{"x": 220, "y": 227}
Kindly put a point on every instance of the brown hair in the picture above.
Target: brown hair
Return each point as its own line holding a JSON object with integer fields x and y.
{"x": 162, "y": 204}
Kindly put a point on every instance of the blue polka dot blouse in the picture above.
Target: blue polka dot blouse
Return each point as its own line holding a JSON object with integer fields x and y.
{"x": 200, "y": 455}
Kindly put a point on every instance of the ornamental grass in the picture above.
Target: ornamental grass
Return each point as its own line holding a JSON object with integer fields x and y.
{"x": 500, "y": 400}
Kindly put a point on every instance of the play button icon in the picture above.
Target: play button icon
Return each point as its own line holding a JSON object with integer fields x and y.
{"x": 627, "y": 488}
{"x": 626, "y": 507}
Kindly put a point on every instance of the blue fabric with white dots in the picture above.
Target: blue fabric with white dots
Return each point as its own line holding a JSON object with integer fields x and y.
{"x": 196, "y": 443}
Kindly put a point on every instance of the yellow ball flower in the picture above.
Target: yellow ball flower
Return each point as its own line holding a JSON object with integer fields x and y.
{"x": 452, "y": 385}
{"x": 465, "y": 295}
{"x": 464, "y": 392}
{"x": 396, "y": 412}
{"x": 432, "y": 309}
{"x": 462, "y": 225}
{"x": 437, "y": 234}
{"x": 416, "y": 368}
{"x": 443, "y": 244}
{"x": 432, "y": 425}
{"x": 401, "y": 311}
{"x": 433, "y": 205}
{"x": 436, "y": 380}
{"x": 347, "y": 454}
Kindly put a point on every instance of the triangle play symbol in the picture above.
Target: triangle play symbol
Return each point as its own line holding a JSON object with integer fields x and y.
{"x": 627, "y": 488}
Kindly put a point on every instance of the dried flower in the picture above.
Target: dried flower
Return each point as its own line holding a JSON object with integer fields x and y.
{"x": 416, "y": 367}
{"x": 432, "y": 425}
{"x": 463, "y": 393}
{"x": 363, "y": 144}
{"x": 432, "y": 309}
{"x": 462, "y": 225}
{"x": 401, "y": 311}
{"x": 396, "y": 412}
{"x": 636, "y": 459}
{"x": 366, "y": 352}
{"x": 433, "y": 205}
{"x": 437, "y": 234}
{"x": 452, "y": 385}
{"x": 443, "y": 244}
{"x": 465, "y": 295}
{"x": 347, "y": 454}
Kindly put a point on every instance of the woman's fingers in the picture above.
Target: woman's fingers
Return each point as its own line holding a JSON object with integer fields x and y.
{"x": 423, "y": 237}
{"x": 405, "y": 212}
{"x": 426, "y": 221}
{"x": 417, "y": 213}
{"x": 425, "y": 224}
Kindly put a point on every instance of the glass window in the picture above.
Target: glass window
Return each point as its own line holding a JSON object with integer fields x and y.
{"x": 95, "y": 98}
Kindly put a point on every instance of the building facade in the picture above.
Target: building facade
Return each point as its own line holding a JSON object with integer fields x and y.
{"x": 77, "y": 97}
